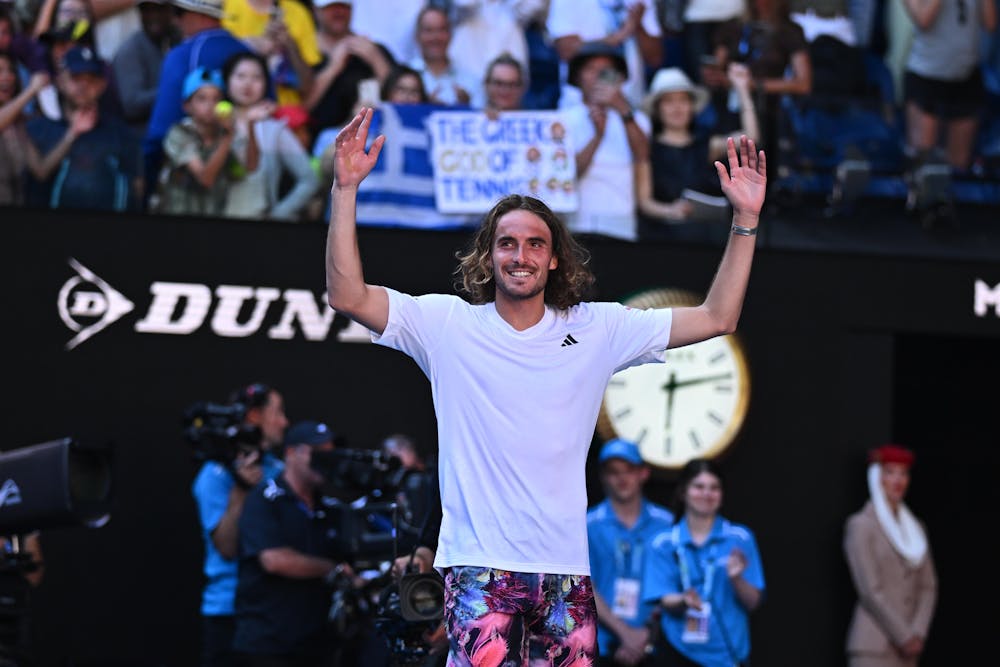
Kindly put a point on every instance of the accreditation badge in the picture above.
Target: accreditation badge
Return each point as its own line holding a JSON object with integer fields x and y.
{"x": 696, "y": 624}
{"x": 625, "y": 603}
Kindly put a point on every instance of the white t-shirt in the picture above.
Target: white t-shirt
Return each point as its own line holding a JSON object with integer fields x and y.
{"x": 516, "y": 413}
{"x": 607, "y": 188}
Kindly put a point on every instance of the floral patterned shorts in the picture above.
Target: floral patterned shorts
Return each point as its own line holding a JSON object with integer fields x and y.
{"x": 497, "y": 618}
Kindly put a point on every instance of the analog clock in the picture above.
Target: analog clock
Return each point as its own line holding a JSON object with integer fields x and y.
{"x": 691, "y": 407}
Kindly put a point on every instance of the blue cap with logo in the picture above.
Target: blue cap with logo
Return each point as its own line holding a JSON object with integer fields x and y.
{"x": 308, "y": 432}
{"x": 621, "y": 449}
{"x": 82, "y": 60}
{"x": 200, "y": 77}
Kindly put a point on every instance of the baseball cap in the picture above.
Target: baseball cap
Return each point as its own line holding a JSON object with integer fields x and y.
{"x": 82, "y": 60}
{"x": 200, "y": 77}
{"x": 621, "y": 449}
{"x": 323, "y": 3}
{"x": 211, "y": 8}
{"x": 308, "y": 432}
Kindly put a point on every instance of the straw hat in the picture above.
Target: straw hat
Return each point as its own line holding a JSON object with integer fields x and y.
{"x": 672, "y": 80}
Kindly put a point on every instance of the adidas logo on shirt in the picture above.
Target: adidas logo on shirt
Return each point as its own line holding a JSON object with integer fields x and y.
{"x": 569, "y": 340}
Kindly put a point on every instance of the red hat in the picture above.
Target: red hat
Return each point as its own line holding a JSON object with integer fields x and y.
{"x": 891, "y": 454}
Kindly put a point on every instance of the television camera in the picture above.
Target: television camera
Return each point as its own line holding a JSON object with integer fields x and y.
{"x": 217, "y": 431}
{"x": 373, "y": 525}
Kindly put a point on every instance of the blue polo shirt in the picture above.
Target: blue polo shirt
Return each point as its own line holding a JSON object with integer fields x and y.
{"x": 211, "y": 491}
{"x": 621, "y": 553}
{"x": 278, "y": 615}
{"x": 728, "y": 626}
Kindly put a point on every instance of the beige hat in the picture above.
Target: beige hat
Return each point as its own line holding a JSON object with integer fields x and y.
{"x": 211, "y": 8}
{"x": 672, "y": 80}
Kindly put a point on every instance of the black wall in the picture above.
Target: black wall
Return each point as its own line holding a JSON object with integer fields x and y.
{"x": 846, "y": 352}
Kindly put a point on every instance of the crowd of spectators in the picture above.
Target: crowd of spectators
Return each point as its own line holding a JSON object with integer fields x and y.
{"x": 226, "y": 107}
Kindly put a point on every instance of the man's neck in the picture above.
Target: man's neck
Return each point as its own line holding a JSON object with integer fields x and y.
{"x": 627, "y": 511}
{"x": 521, "y": 314}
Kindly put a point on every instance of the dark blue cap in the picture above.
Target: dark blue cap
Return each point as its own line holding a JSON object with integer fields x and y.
{"x": 83, "y": 60}
{"x": 621, "y": 449}
{"x": 308, "y": 432}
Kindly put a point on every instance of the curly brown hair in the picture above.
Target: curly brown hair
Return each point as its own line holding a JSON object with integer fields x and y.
{"x": 567, "y": 284}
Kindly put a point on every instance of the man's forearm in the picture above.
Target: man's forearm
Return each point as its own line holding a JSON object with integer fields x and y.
{"x": 344, "y": 276}
{"x": 725, "y": 297}
{"x": 293, "y": 564}
{"x": 226, "y": 535}
{"x": 607, "y": 617}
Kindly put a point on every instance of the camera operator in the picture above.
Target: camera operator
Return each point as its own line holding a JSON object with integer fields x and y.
{"x": 282, "y": 599}
{"x": 220, "y": 491}
{"x": 415, "y": 483}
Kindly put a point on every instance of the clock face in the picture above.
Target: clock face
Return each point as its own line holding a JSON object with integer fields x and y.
{"x": 690, "y": 407}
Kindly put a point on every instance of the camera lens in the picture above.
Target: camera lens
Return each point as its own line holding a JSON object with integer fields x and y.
{"x": 421, "y": 597}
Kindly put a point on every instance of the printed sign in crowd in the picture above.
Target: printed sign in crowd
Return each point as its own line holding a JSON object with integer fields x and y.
{"x": 478, "y": 160}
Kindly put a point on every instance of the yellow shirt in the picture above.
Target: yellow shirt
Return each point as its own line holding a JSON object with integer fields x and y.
{"x": 242, "y": 20}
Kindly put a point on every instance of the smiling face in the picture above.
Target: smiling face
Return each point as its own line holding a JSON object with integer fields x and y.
{"x": 703, "y": 495}
{"x": 433, "y": 35}
{"x": 246, "y": 83}
{"x": 408, "y": 89}
{"x": 504, "y": 87}
{"x": 895, "y": 478}
{"x": 522, "y": 256}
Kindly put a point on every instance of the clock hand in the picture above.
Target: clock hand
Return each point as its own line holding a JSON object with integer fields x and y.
{"x": 686, "y": 383}
{"x": 669, "y": 387}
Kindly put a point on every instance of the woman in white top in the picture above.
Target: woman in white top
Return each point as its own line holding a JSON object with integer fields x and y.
{"x": 258, "y": 194}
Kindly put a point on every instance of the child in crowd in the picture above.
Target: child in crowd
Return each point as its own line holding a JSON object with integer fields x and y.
{"x": 201, "y": 158}
{"x": 259, "y": 194}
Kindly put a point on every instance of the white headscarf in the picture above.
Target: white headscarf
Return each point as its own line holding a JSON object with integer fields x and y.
{"x": 904, "y": 531}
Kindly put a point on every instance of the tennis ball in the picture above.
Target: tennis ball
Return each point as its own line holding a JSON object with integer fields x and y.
{"x": 223, "y": 109}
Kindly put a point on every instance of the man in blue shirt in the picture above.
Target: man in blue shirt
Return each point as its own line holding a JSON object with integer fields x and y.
{"x": 89, "y": 158}
{"x": 620, "y": 531}
{"x": 220, "y": 491}
{"x": 206, "y": 44}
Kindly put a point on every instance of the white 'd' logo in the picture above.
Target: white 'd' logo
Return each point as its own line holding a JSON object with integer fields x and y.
{"x": 10, "y": 494}
{"x": 107, "y": 304}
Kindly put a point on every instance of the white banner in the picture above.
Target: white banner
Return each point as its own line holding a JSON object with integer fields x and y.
{"x": 477, "y": 160}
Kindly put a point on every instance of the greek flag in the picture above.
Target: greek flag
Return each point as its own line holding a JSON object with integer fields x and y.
{"x": 399, "y": 192}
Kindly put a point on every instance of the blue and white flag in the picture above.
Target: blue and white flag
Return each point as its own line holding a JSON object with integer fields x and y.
{"x": 399, "y": 192}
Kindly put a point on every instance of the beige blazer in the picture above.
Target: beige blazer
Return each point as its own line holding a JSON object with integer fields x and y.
{"x": 895, "y": 600}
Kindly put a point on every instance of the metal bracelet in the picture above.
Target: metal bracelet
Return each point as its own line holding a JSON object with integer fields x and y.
{"x": 740, "y": 230}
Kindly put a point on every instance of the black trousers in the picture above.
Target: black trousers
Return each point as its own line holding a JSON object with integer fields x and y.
{"x": 217, "y": 642}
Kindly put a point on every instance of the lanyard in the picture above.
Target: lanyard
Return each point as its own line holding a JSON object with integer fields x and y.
{"x": 628, "y": 558}
{"x": 685, "y": 568}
